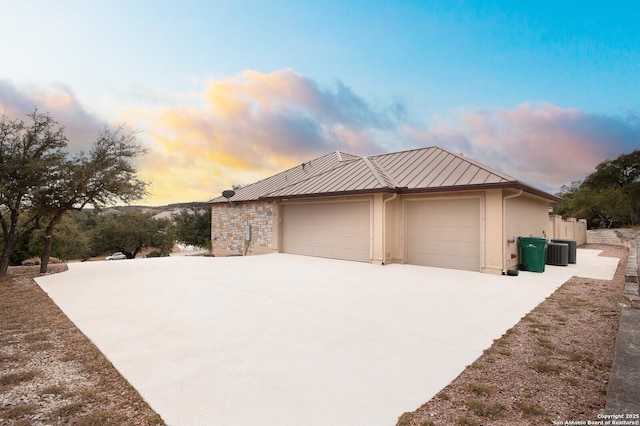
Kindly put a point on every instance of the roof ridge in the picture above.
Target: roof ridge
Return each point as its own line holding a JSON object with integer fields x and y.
{"x": 375, "y": 172}
{"x": 307, "y": 178}
{"x": 480, "y": 165}
{"x": 378, "y": 170}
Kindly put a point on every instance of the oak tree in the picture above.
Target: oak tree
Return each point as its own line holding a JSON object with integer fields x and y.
{"x": 31, "y": 154}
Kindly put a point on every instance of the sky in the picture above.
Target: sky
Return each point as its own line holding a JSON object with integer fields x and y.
{"x": 224, "y": 93}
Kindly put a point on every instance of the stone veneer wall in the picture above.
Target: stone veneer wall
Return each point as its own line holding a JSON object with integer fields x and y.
{"x": 228, "y": 228}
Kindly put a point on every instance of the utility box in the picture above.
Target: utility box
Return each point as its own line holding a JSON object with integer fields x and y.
{"x": 573, "y": 248}
{"x": 532, "y": 253}
{"x": 557, "y": 254}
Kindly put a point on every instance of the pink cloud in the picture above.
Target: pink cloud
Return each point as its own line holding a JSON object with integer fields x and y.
{"x": 247, "y": 127}
{"x": 81, "y": 126}
{"x": 538, "y": 143}
{"x": 255, "y": 124}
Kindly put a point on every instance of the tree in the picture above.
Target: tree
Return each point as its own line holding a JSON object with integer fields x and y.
{"x": 609, "y": 196}
{"x": 619, "y": 181}
{"x": 193, "y": 227}
{"x": 30, "y": 156}
{"x": 130, "y": 232}
{"x": 104, "y": 177}
{"x": 68, "y": 241}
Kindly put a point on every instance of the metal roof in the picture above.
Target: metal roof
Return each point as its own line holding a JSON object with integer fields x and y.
{"x": 419, "y": 170}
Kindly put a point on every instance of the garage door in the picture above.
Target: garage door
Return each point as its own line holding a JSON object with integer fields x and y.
{"x": 444, "y": 233}
{"x": 335, "y": 230}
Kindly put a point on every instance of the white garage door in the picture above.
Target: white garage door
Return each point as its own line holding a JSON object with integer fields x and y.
{"x": 334, "y": 230}
{"x": 444, "y": 233}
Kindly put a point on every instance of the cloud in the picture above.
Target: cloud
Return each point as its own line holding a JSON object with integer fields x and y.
{"x": 538, "y": 143}
{"x": 255, "y": 124}
{"x": 246, "y": 127}
{"x": 81, "y": 126}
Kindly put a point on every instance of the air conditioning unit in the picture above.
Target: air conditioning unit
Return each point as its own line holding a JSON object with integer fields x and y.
{"x": 558, "y": 254}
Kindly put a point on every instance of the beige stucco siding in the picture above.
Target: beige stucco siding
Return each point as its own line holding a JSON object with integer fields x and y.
{"x": 494, "y": 241}
{"x": 392, "y": 229}
{"x": 526, "y": 216}
{"x": 569, "y": 229}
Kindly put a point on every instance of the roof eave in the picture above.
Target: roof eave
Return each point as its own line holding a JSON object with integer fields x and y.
{"x": 476, "y": 187}
{"x": 404, "y": 190}
{"x": 328, "y": 194}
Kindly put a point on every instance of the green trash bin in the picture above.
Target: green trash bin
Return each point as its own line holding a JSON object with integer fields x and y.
{"x": 533, "y": 253}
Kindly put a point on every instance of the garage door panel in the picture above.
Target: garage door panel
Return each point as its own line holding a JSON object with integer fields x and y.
{"x": 334, "y": 230}
{"x": 444, "y": 233}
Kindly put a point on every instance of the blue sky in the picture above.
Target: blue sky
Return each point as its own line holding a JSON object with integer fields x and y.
{"x": 231, "y": 92}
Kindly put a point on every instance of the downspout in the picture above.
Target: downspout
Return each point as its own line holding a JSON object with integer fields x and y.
{"x": 504, "y": 227}
{"x": 384, "y": 227}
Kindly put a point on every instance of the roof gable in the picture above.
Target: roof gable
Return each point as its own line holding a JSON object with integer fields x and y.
{"x": 424, "y": 169}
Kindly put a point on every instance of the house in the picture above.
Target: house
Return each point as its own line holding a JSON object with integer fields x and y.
{"x": 425, "y": 206}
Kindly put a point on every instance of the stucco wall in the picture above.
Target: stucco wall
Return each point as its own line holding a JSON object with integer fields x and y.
{"x": 393, "y": 229}
{"x": 527, "y": 216}
{"x": 569, "y": 229}
{"x": 494, "y": 240}
{"x": 228, "y": 224}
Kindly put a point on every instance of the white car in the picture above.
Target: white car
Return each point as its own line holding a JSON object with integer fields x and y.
{"x": 116, "y": 256}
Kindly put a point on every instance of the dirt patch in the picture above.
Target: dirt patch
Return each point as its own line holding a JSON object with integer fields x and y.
{"x": 554, "y": 365}
{"x": 51, "y": 374}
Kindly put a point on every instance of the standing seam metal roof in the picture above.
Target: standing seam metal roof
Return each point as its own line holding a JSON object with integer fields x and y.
{"x": 424, "y": 169}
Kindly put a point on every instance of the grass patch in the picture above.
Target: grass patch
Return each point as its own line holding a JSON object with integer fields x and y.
{"x": 68, "y": 410}
{"x": 39, "y": 336}
{"x": 53, "y": 390}
{"x": 13, "y": 379}
{"x": 102, "y": 418}
{"x": 14, "y": 412}
{"x": 480, "y": 389}
{"x": 405, "y": 419}
{"x": 41, "y": 346}
{"x": 546, "y": 367}
{"x": 504, "y": 351}
{"x": 537, "y": 327}
{"x": 571, "y": 381}
{"x": 530, "y": 409}
{"x": 504, "y": 339}
{"x": 444, "y": 396}
{"x": 560, "y": 319}
{"x": 484, "y": 409}
{"x": 466, "y": 421}
{"x": 5, "y": 357}
{"x": 546, "y": 343}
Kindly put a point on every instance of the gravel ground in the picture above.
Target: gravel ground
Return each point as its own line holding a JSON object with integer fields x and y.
{"x": 51, "y": 374}
{"x": 552, "y": 366}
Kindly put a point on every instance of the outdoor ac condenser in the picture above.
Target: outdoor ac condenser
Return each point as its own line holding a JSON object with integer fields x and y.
{"x": 557, "y": 254}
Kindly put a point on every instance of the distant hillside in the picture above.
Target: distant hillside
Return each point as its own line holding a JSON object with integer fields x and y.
{"x": 161, "y": 211}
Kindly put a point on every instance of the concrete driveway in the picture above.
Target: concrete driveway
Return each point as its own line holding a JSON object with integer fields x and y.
{"x": 282, "y": 339}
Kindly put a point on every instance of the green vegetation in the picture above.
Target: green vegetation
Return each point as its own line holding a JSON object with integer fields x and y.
{"x": 193, "y": 227}
{"x": 131, "y": 232}
{"x": 40, "y": 182}
{"x": 57, "y": 204}
{"x": 608, "y": 197}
